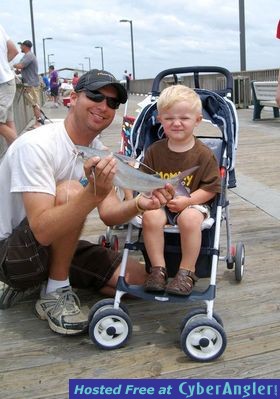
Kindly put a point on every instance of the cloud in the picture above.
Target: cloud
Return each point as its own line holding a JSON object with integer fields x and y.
{"x": 166, "y": 34}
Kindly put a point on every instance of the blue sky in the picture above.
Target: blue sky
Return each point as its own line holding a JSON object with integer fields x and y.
{"x": 166, "y": 33}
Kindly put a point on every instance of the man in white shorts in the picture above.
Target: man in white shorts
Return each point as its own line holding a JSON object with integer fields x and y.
{"x": 8, "y": 51}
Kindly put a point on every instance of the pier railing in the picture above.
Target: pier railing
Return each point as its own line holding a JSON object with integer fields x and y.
{"x": 241, "y": 95}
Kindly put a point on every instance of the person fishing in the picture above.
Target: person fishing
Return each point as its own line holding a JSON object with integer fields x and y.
{"x": 44, "y": 206}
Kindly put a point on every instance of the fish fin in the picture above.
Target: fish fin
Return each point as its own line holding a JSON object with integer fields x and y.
{"x": 124, "y": 158}
{"x": 130, "y": 160}
{"x": 177, "y": 181}
{"x": 182, "y": 190}
{"x": 186, "y": 173}
{"x": 148, "y": 167}
{"x": 127, "y": 160}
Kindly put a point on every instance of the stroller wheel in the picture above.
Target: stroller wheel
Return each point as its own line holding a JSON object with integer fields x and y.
{"x": 203, "y": 340}
{"x": 198, "y": 314}
{"x": 230, "y": 263}
{"x": 102, "y": 241}
{"x": 110, "y": 329}
{"x": 102, "y": 305}
{"x": 114, "y": 242}
{"x": 239, "y": 261}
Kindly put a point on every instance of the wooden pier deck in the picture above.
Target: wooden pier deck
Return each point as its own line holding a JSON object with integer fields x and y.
{"x": 37, "y": 363}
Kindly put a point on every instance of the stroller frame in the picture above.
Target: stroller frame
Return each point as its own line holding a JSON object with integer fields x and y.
{"x": 202, "y": 334}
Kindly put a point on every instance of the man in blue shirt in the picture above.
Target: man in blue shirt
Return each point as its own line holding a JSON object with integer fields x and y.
{"x": 28, "y": 67}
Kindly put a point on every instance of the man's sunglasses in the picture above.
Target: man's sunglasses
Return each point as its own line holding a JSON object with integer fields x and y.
{"x": 98, "y": 97}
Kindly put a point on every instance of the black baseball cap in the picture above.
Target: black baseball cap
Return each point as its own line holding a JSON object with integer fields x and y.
{"x": 96, "y": 79}
{"x": 26, "y": 43}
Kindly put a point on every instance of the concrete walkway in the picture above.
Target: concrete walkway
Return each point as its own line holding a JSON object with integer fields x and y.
{"x": 258, "y": 194}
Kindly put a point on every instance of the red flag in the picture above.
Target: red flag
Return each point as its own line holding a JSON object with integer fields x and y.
{"x": 278, "y": 30}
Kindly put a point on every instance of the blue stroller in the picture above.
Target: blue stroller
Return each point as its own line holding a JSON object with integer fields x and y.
{"x": 202, "y": 335}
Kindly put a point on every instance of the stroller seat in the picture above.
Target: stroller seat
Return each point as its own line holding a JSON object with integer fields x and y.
{"x": 206, "y": 224}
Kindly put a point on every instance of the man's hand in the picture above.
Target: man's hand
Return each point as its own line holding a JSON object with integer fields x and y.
{"x": 18, "y": 66}
{"x": 100, "y": 174}
{"x": 159, "y": 198}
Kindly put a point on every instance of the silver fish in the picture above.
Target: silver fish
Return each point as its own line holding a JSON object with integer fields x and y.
{"x": 130, "y": 178}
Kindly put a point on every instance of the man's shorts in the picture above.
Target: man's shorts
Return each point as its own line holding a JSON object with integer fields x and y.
{"x": 32, "y": 95}
{"x": 24, "y": 262}
{"x": 54, "y": 91}
{"x": 7, "y": 94}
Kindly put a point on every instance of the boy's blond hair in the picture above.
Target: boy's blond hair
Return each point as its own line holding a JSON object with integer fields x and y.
{"x": 175, "y": 94}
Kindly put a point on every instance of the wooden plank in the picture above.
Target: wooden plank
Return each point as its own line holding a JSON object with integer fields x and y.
{"x": 36, "y": 363}
{"x": 164, "y": 359}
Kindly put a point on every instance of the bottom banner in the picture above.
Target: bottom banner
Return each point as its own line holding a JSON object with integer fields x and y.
{"x": 173, "y": 388}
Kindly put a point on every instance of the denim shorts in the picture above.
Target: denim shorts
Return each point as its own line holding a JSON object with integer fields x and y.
{"x": 24, "y": 262}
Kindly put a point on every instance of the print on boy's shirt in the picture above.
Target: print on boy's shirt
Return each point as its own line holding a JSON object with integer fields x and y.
{"x": 168, "y": 175}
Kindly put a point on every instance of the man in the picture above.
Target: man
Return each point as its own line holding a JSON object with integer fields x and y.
{"x": 46, "y": 82}
{"x": 54, "y": 85}
{"x": 44, "y": 207}
{"x": 75, "y": 79}
{"x": 8, "y": 51}
{"x": 126, "y": 79}
{"x": 28, "y": 67}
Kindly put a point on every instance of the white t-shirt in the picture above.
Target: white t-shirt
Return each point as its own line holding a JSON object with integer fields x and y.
{"x": 6, "y": 72}
{"x": 35, "y": 162}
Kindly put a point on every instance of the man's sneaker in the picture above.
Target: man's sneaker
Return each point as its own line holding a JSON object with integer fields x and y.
{"x": 41, "y": 120}
{"x": 62, "y": 310}
{"x": 10, "y": 296}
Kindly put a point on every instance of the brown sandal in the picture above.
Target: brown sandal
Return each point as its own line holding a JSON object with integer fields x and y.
{"x": 182, "y": 284}
{"x": 157, "y": 279}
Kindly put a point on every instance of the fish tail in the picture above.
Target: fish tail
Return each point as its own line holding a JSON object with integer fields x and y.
{"x": 178, "y": 182}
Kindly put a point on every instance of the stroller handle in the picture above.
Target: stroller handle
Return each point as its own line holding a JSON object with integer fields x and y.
{"x": 196, "y": 70}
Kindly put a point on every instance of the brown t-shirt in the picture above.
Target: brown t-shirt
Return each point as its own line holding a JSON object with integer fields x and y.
{"x": 168, "y": 164}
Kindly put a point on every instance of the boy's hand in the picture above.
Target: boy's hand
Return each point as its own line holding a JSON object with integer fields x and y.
{"x": 178, "y": 204}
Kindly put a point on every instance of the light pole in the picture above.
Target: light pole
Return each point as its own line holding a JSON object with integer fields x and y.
{"x": 89, "y": 64}
{"x": 102, "y": 59}
{"x": 82, "y": 65}
{"x": 44, "y": 50}
{"x": 132, "y": 46}
{"x": 242, "y": 39}
{"x": 49, "y": 55}
{"x": 32, "y": 26}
